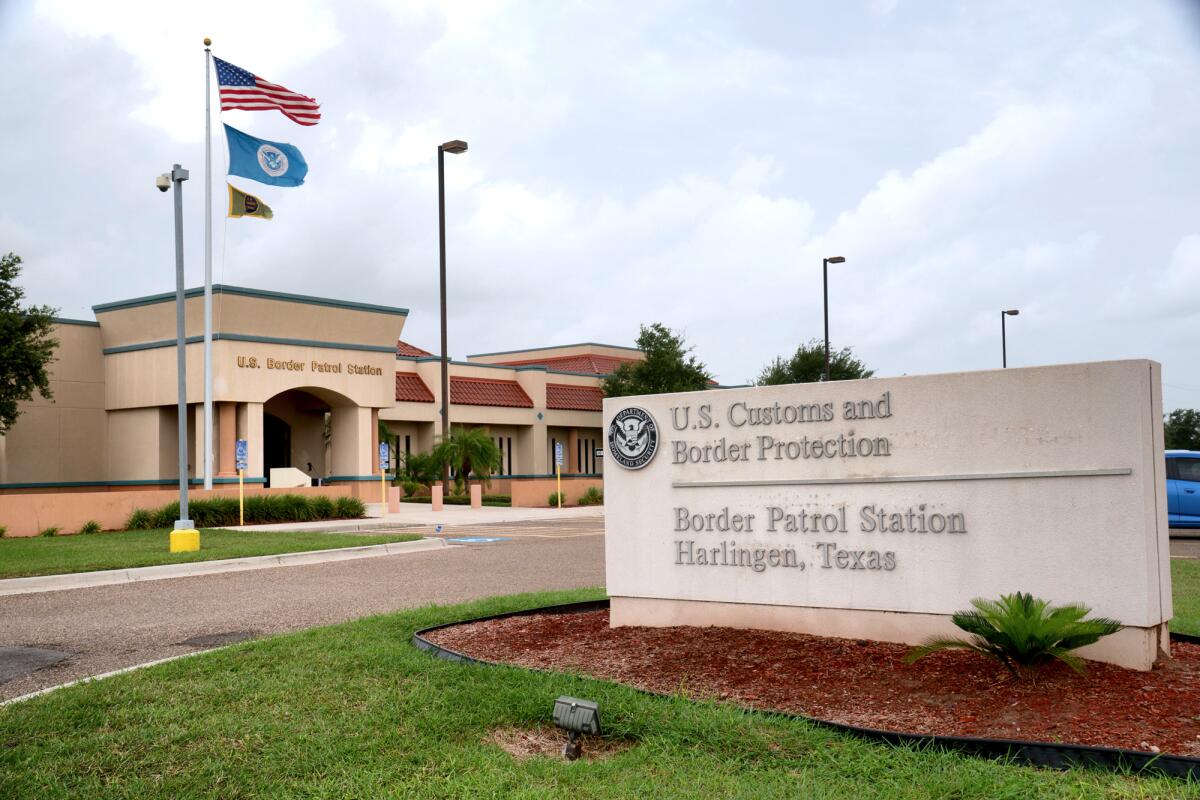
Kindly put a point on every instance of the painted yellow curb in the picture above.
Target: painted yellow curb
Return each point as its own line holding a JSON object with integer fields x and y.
{"x": 185, "y": 541}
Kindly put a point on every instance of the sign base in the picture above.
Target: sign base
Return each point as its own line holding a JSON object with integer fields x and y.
{"x": 1132, "y": 647}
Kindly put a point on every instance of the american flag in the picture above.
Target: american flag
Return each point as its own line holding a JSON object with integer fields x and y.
{"x": 242, "y": 89}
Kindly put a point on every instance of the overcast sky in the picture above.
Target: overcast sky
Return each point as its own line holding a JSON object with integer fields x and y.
{"x": 682, "y": 162}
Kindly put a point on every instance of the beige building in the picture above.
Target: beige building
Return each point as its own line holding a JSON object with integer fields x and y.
{"x": 305, "y": 381}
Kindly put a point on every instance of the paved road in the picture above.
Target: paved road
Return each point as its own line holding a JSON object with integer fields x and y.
{"x": 1185, "y": 545}
{"x": 111, "y": 627}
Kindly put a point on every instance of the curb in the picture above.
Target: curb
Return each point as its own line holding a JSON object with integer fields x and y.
{"x": 109, "y": 577}
{"x": 23, "y": 697}
{"x": 1036, "y": 754}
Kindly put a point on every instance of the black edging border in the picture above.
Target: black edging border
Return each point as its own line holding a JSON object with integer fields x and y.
{"x": 1037, "y": 754}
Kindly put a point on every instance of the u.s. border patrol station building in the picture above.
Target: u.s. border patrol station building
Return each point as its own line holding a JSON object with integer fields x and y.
{"x": 306, "y": 382}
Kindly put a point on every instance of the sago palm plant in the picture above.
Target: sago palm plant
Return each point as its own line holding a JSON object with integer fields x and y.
{"x": 1023, "y": 632}
{"x": 467, "y": 451}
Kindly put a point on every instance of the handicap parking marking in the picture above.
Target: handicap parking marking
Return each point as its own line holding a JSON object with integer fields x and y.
{"x": 477, "y": 539}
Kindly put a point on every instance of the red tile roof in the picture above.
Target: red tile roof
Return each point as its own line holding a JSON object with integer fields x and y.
{"x": 488, "y": 392}
{"x": 598, "y": 365}
{"x": 410, "y": 388}
{"x": 405, "y": 349}
{"x": 574, "y": 398}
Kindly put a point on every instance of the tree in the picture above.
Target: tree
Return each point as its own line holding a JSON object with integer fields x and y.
{"x": 808, "y": 365}
{"x": 422, "y": 468}
{"x": 1182, "y": 429}
{"x": 26, "y": 345}
{"x": 468, "y": 450}
{"x": 668, "y": 367}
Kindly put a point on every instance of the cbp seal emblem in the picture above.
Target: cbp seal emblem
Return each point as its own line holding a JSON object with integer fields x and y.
{"x": 273, "y": 161}
{"x": 632, "y": 438}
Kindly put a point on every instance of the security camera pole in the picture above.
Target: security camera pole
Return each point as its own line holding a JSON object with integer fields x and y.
{"x": 185, "y": 537}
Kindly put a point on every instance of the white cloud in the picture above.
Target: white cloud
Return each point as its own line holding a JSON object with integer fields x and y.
{"x": 674, "y": 162}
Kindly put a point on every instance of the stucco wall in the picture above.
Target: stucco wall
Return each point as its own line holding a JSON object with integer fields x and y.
{"x": 62, "y": 439}
{"x": 535, "y": 493}
{"x": 28, "y": 514}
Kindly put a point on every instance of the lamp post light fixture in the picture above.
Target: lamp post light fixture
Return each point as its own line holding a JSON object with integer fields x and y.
{"x": 1011, "y": 312}
{"x": 185, "y": 537}
{"x": 825, "y": 286}
{"x": 455, "y": 146}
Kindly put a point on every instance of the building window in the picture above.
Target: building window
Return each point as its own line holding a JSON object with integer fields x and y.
{"x": 510, "y": 470}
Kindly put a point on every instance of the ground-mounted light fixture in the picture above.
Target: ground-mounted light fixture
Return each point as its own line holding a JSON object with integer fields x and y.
{"x": 576, "y": 717}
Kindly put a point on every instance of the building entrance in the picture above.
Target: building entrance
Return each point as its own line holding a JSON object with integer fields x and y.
{"x": 277, "y": 444}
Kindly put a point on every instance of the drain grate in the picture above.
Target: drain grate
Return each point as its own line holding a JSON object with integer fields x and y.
{"x": 218, "y": 639}
{"x": 17, "y": 662}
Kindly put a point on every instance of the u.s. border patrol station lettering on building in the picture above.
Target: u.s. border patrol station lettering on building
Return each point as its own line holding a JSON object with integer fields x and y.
{"x": 878, "y": 508}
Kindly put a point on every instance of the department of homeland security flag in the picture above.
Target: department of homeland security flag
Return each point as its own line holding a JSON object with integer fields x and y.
{"x": 242, "y": 89}
{"x": 259, "y": 160}
{"x": 247, "y": 205}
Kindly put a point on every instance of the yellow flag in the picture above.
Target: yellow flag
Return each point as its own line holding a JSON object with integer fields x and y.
{"x": 247, "y": 205}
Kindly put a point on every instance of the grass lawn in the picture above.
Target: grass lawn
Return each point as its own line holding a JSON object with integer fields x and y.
{"x": 1185, "y": 595}
{"x": 354, "y": 710}
{"x": 53, "y": 555}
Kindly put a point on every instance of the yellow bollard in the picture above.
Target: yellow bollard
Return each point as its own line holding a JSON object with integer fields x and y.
{"x": 187, "y": 541}
{"x": 241, "y": 497}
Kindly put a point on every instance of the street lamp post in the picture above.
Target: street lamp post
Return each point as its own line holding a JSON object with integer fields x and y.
{"x": 825, "y": 286}
{"x": 1011, "y": 312}
{"x": 454, "y": 146}
{"x": 185, "y": 537}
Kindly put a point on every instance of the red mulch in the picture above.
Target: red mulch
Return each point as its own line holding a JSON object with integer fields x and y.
{"x": 859, "y": 682}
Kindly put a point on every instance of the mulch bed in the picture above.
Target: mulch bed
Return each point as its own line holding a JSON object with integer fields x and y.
{"x": 859, "y": 682}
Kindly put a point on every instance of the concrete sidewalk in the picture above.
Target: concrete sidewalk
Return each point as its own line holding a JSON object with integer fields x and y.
{"x": 109, "y": 577}
{"x": 416, "y": 515}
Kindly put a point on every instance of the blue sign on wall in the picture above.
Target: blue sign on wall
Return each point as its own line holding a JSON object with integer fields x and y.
{"x": 242, "y": 454}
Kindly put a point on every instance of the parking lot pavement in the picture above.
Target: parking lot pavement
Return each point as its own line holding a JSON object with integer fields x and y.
{"x": 110, "y": 627}
{"x": 1185, "y": 544}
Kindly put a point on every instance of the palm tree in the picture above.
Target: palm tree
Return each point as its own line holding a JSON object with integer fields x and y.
{"x": 468, "y": 450}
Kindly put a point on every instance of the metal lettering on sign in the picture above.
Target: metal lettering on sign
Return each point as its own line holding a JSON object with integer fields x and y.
{"x": 633, "y": 438}
{"x": 383, "y": 456}
{"x": 241, "y": 453}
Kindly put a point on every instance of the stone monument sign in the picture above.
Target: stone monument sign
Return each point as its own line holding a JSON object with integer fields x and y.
{"x": 877, "y": 508}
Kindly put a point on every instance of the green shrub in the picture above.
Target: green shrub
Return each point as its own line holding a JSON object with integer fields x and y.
{"x": 1023, "y": 632}
{"x": 294, "y": 508}
{"x": 350, "y": 508}
{"x": 53, "y": 530}
{"x": 555, "y": 497}
{"x": 255, "y": 508}
{"x": 259, "y": 509}
{"x": 410, "y": 488}
{"x": 215, "y": 512}
{"x": 321, "y": 507}
{"x": 3, "y": 531}
{"x": 165, "y": 517}
{"x": 91, "y": 526}
{"x": 592, "y": 497}
{"x": 139, "y": 520}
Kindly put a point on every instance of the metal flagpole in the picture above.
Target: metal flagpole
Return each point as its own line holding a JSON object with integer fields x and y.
{"x": 208, "y": 411}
